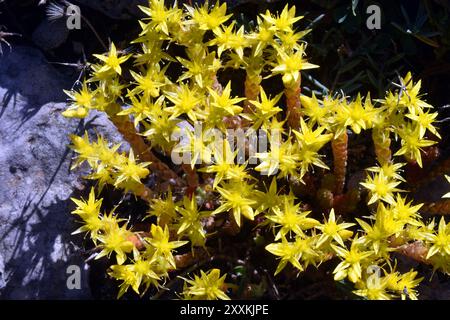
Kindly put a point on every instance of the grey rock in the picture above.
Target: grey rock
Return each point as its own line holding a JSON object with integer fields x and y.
{"x": 2, "y": 273}
{"x": 36, "y": 246}
{"x": 50, "y": 34}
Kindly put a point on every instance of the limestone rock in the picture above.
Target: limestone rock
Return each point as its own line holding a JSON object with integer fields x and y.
{"x": 50, "y": 34}
{"x": 36, "y": 245}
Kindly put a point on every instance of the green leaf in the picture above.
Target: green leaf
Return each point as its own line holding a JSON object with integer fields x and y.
{"x": 351, "y": 88}
{"x": 395, "y": 59}
{"x": 240, "y": 271}
{"x": 405, "y": 15}
{"x": 426, "y": 40}
{"x": 372, "y": 63}
{"x": 354, "y": 5}
{"x": 342, "y": 19}
{"x": 421, "y": 17}
{"x": 400, "y": 28}
{"x": 349, "y": 66}
{"x": 315, "y": 21}
{"x": 372, "y": 78}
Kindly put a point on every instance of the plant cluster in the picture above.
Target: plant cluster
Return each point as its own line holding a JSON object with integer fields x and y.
{"x": 305, "y": 213}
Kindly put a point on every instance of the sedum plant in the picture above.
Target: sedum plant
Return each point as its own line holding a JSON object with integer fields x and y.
{"x": 169, "y": 101}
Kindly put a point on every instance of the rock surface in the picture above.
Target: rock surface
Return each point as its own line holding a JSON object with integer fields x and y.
{"x": 36, "y": 246}
{"x": 50, "y": 34}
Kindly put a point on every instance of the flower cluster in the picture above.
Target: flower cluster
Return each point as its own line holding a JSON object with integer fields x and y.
{"x": 173, "y": 81}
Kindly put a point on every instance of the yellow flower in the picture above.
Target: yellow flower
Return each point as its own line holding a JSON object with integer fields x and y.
{"x": 308, "y": 157}
{"x": 384, "y": 227}
{"x": 440, "y": 240}
{"x": 151, "y": 48}
{"x": 290, "y": 64}
{"x": 284, "y": 22}
{"x": 162, "y": 244}
{"x": 351, "y": 265}
{"x": 185, "y": 100}
{"x": 140, "y": 271}
{"x": 358, "y": 117}
{"x": 291, "y": 219}
{"x": 410, "y": 96}
{"x": 161, "y": 127}
{"x": 112, "y": 60}
{"x": 332, "y": 230}
{"x": 149, "y": 83}
{"x": 441, "y": 261}
{"x": 196, "y": 147}
{"x": 390, "y": 170}
{"x": 82, "y": 102}
{"x": 88, "y": 208}
{"x": 209, "y": 286}
{"x": 282, "y": 156}
{"x": 125, "y": 274}
{"x": 406, "y": 212}
{"x": 291, "y": 40}
{"x": 109, "y": 91}
{"x": 225, "y": 101}
{"x": 163, "y": 209}
{"x": 191, "y": 216}
{"x": 425, "y": 121}
{"x": 161, "y": 17}
{"x": 407, "y": 283}
{"x": 291, "y": 252}
{"x": 412, "y": 143}
{"x": 317, "y": 112}
{"x": 239, "y": 197}
{"x": 201, "y": 66}
{"x": 116, "y": 240}
{"x": 131, "y": 172}
{"x": 271, "y": 199}
{"x": 404, "y": 284}
{"x": 264, "y": 110}
{"x": 206, "y": 18}
{"x": 227, "y": 39}
{"x": 374, "y": 289}
{"x": 89, "y": 211}
{"x": 263, "y": 37}
{"x": 224, "y": 166}
{"x": 381, "y": 188}
{"x": 308, "y": 137}
{"x": 140, "y": 108}
{"x": 447, "y": 195}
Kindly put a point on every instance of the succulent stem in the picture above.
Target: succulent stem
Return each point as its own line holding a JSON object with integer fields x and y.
{"x": 252, "y": 83}
{"x": 292, "y": 92}
{"x": 441, "y": 207}
{"x": 382, "y": 144}
{"x": 137, "y": 143}
{"x": 340, "y": 153}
